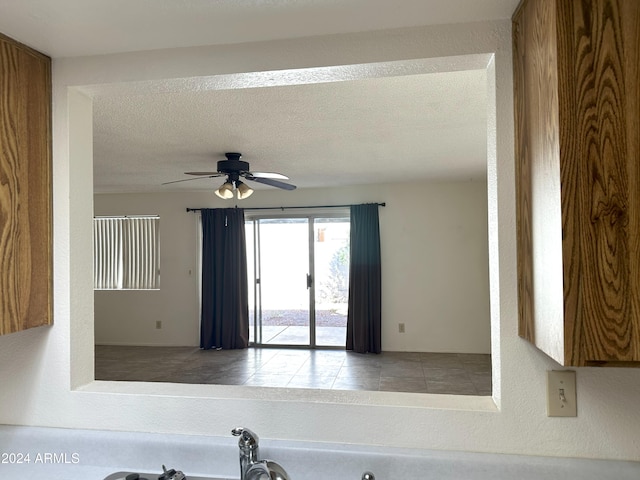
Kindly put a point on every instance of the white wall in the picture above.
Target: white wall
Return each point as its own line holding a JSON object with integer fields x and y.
{"x": 47, "y": 373}
{"x": 434, "y": 252}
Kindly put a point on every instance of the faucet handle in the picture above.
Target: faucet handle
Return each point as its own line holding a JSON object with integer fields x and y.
{"x": 248, "y": 439}
{"x": 368, "y": 476}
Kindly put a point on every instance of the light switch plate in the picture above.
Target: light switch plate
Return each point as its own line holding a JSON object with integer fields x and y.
{"x": 561, "y": 393}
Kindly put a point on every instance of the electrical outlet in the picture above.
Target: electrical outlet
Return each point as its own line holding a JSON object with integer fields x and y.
{"x": 401, "y": 327}
{"x": 158, "y": 324}
{"x": 561, "y": 393}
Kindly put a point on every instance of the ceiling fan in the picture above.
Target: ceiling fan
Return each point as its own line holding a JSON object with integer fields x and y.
{"x": 234, "y": 168}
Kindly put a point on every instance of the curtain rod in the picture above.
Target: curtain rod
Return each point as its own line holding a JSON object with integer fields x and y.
{"x": 126, "y": 216}
{"x": 383, "y": 204}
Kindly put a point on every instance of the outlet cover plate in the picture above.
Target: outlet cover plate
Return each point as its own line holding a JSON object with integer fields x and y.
{"x": 561, "y": 393}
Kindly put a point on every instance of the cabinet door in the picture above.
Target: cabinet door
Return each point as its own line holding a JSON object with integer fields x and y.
{"x": 599, "y": 88}
{"x": 25, "y": 188}
{"x": 577, "y": 112}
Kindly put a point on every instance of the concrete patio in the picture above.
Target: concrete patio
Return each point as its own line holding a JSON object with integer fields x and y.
{"x": 291, "y": 327}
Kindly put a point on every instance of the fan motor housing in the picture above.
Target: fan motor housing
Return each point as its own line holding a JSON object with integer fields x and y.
{"x": 232, "y": 166}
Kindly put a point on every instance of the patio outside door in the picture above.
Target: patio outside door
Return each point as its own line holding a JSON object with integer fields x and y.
{"x": 298, "y": 280}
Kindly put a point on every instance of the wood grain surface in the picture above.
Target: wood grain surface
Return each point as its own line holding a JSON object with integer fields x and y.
{"x": 25, "y": 188}
{"x": 597, "y": 62}
{"x": 537, "y": 173}
{"x": 599, "y": 49}
{"x": 523, "y": 185}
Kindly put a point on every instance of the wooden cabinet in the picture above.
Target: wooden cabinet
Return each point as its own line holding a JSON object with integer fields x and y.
{"x": 577, "y": 119}
{"x": 25, "y": 188}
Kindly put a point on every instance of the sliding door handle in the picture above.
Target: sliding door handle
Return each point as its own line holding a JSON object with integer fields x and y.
{"x": 309, "y": 281}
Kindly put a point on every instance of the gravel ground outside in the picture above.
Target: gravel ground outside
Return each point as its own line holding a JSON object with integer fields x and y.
{"x": 293, "y": 318}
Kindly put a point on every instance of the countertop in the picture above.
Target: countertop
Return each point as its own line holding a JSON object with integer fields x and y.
{"x": 55, "y": 453}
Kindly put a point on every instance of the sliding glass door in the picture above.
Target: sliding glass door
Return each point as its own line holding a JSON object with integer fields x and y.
{"x": 298, "y": 280}
{"x": 331, "y": 280}
{"x": 281, "y": 298}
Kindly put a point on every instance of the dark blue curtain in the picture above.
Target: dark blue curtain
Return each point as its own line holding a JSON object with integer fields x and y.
{"x": 364, "y": 316}
{"x": 225, "y": 311}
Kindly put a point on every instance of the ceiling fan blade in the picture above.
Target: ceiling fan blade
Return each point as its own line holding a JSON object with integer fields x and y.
{"x": 190, "y": 179}
{"x": 271, "y": 182}
{"x": 274, "y": 175}
{"x": 202, "y": 174}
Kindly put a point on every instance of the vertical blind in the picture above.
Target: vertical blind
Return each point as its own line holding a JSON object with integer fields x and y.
{"x": 126, "y": 253}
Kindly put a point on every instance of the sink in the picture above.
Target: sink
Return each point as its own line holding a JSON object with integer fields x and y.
{"x": 155, "y": 476}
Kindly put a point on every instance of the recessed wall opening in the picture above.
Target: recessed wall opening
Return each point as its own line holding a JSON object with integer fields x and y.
{"x": 378, "y": 69}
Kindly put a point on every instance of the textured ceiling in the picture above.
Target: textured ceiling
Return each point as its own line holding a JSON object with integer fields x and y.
{"x": 378, "y": 130}
{"x": 371, "y": 130}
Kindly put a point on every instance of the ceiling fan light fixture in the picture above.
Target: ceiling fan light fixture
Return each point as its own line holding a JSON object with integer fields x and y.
{"x": 244, "y": 191}
{"x": 233, "y": 169}
{"x": 225, "y": 191}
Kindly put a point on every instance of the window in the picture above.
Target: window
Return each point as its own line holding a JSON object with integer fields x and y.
{"x": 126, "y": 253}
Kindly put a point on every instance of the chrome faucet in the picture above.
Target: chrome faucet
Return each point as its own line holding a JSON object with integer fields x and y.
{"x": 251, "y": 467}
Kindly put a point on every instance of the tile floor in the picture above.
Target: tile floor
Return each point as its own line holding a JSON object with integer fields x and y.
{"x": 444, "y": 373}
